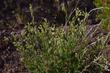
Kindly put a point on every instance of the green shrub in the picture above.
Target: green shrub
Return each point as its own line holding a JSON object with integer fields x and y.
{"x": 50, "y": 49}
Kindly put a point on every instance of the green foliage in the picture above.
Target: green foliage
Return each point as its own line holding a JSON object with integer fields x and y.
{"x": 50, "y": 49}
{"x": 100, "y": 3}
{"x": 46, "y": 49}
{"x": 104, "y": 14}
